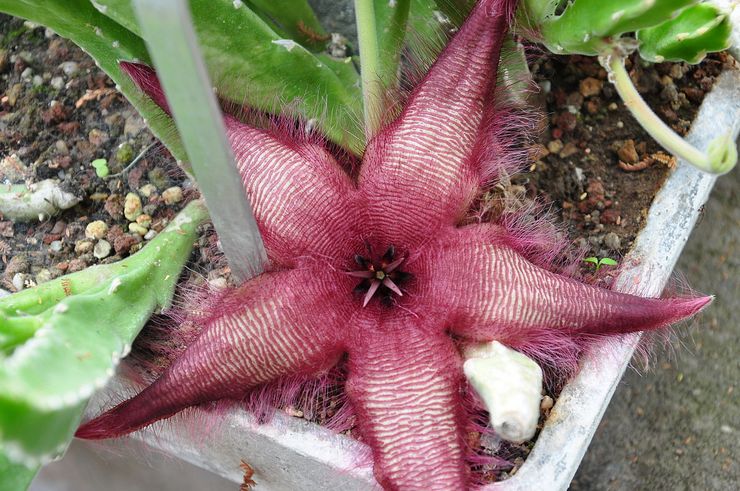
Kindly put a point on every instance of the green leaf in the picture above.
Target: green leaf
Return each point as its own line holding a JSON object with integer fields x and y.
{"x": 607, "y": 261}
{"x": 586, "y": 26}
{"x": 697, "y": 30}
{"x": 391, "y": 18}
{"x": 15, "y": 477}
{"x": 101, "y": 167}
{"x": 84, "y": 324}
{"x": 249, "y": 63}
{"x": 591, "y": 260}
{"x": 296, "y": 21}
{"x": 107, "y": 42}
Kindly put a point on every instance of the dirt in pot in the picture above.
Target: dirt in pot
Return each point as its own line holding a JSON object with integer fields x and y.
{"x": 59, "y": 113}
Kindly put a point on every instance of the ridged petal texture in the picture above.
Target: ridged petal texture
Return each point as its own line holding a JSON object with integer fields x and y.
{"x": 275, "y": 325}
{"x": 421, "y": 172}
{"x": 418, "y": 177}
{"x": 404, "y": 384}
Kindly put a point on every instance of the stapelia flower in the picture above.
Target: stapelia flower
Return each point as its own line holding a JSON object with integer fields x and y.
{"x": 378, "y": 268}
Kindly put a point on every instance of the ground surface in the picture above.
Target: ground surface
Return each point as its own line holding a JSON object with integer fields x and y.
{"x": 676, "y": 427}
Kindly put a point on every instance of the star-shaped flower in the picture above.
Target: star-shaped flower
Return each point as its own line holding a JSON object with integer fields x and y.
{"x": 378, "y": 267}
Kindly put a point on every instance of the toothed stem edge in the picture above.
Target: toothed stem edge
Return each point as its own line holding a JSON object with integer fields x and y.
{"x": 510, "y": 385}
{"x": 721, "y": 154}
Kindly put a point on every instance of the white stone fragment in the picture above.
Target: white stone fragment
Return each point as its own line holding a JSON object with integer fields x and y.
{"x": 510, "y": 385}
{"x": 44, "y": 198}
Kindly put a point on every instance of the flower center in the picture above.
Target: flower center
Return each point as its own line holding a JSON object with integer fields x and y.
{"x": 381, "y": 277}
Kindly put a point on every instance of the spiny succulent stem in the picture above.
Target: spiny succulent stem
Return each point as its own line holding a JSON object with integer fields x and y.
{"x": 721, "y": 155}
{"x": 367, "y": 36}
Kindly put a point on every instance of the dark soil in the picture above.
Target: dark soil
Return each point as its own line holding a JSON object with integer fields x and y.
{"x": 59, "y": 112}
{"x": 590, "y": 131}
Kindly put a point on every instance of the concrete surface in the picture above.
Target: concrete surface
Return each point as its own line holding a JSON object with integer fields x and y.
{"x": 675, "y": 427}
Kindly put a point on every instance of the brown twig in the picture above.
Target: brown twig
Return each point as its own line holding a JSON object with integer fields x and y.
{"x": 248, "y": 483}
{"x": 311, "y": 34}
{"x": 659, "y": 157}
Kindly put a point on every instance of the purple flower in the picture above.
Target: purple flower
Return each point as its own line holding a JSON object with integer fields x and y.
{"x": 378, "y": 267}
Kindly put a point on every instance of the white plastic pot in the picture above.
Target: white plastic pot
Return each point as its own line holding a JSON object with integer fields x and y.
{"x": 293, "y": 454}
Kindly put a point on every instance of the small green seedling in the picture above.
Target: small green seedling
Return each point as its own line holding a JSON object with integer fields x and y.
{"x": 101, "y": 167}
{"x": 598, "y": 263}
{"x": 664, "y": 30}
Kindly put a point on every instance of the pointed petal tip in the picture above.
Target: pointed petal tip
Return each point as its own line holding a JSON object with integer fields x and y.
{"x": 100, "y": 428}
{"x": 696, "y": 304}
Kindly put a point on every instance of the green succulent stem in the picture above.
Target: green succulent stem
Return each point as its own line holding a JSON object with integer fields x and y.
{"x": 367, "y": 36}
{"x": 62, "y": 340}
{"x": 721, "y": 156}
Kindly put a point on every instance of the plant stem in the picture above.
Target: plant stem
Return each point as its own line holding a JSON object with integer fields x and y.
{"x": 369, "y": 64}
{"x": 717, "y": 162}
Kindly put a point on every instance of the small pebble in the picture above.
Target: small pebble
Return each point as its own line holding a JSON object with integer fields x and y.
{"x": 114, "y": 205}
{"x": 150, "y": 235}
{"x": 568, "y": 150}
{"x": 547, "y": 403}
{"x": 137, "y": 229}
{"x": 14, "y": 94}
{"x": 76, "y": 265}
{"x": 27, "y": 73}
{"x": 555, "y": 146}
{"x": 102, "y": 249}
{"x": 147, "y": 190}
{"x": 172, "y": 195}
{"x": 83, "y": 247}
{"x": 19, "y": 280}
{"x": 627, "y": 152}
{"x": 96, "y": 230}
{"x": 612, "y": 241}
{"x": 132, "y": 206}
{"x": 124, "y": 153}
{"x": 123, "y": 243}
{"x": 37, "y": 81}
{"x": 590, "y": 86}
{"x": 144, "y": 220}
{"x": 158, "y": 177}
{"x": 57, "y": 83}
{"x": 17, "y": 264}
{"x": 43, "y": 276}
{"x": 133, "y": 125}
{"x": 55, "y": 246}
{"x": 97, "y": 137}
{"x": 70, "y": 68}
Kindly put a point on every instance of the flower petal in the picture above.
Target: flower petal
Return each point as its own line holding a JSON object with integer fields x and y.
{"x": 277, "y": 324}
{"x": 302, "y": 199}
{"x": 404, "y": 382}
{"x": 492, "y": 293}
{"x": 421, "y": 171}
